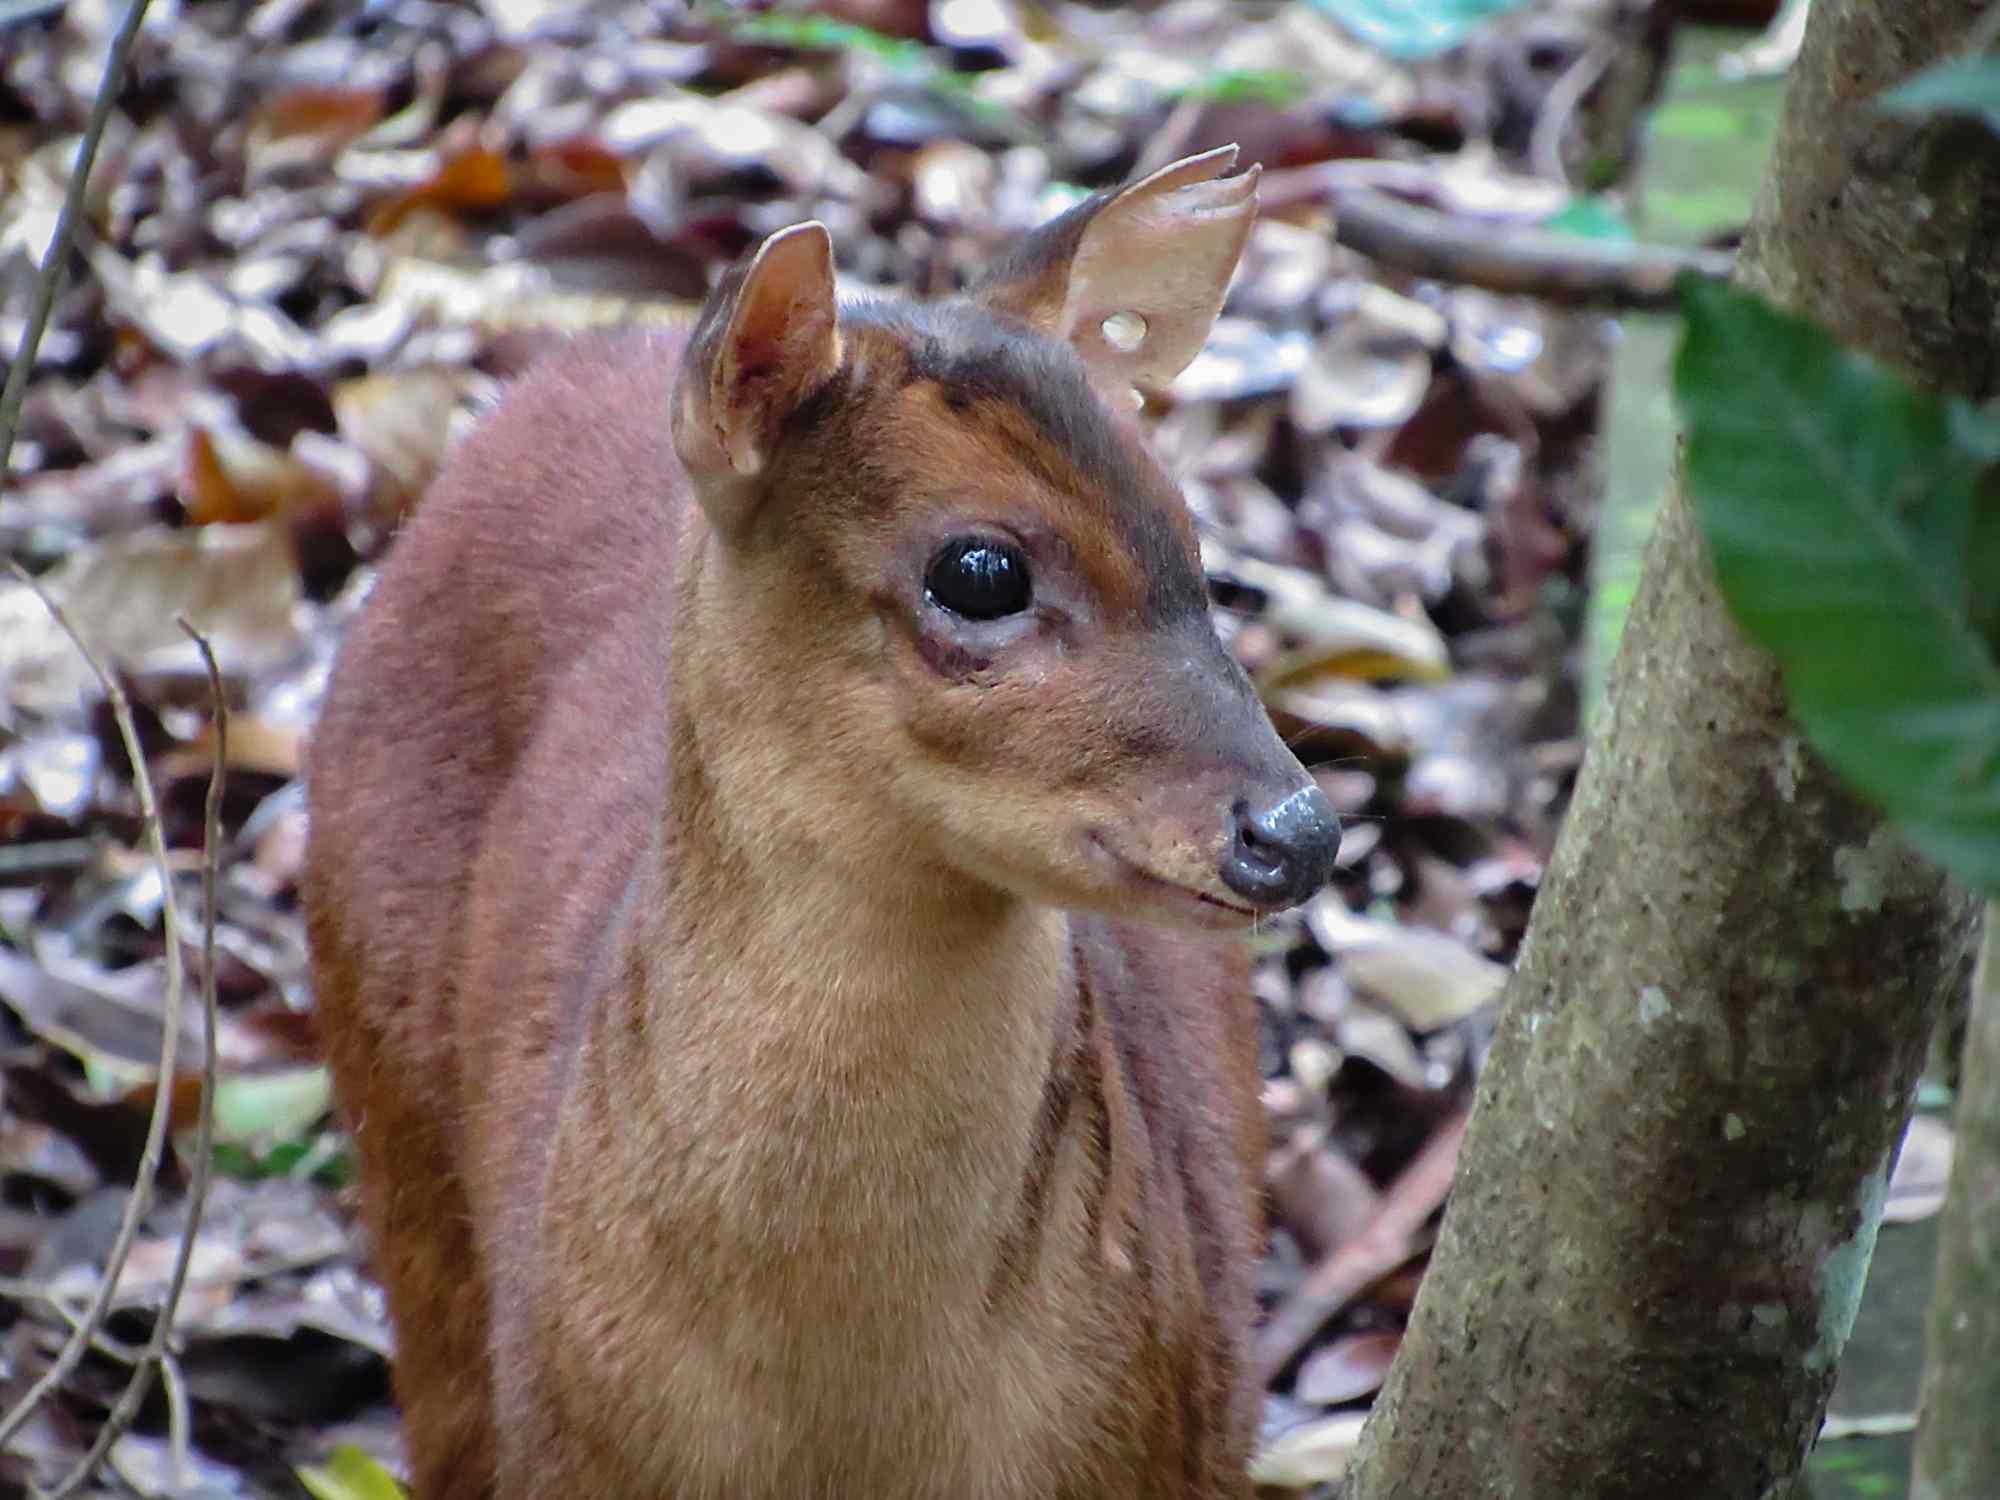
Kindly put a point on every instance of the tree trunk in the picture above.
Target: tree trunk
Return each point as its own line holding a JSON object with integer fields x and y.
{"x": 1958, "y": 1449}
{"x": 1675, "y": 1170}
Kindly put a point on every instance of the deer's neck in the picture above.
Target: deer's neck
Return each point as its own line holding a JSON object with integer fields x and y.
{"x": 851, "y": 1064}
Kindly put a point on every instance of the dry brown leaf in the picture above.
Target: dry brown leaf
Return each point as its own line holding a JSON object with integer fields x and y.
{"x": 1318, "y": 1194}
{"x": 465, "y": 181}
{"x": 238, "y": 584}
{"x": 231, "y": 478}
{"x": 404, "y": 421}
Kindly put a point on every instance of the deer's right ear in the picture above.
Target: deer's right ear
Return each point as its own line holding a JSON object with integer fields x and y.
{"x": 1133, "y": 279}
{"x": 768, "y": 338}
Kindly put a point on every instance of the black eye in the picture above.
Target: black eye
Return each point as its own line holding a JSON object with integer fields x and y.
{"x": 978, "y": 579}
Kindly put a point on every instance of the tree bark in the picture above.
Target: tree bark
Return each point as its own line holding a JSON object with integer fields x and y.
{"x": 1675, "y": 1169}
{"x": 1958, "y": 1449}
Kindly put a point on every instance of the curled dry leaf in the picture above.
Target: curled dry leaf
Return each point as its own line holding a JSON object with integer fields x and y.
{"x": 36, "y": 1155}
{"x": 298, "y": 129}
{"x": 230, "y": 477}
{"x": 1384, "y": 1040}
{"x": 471, "y": 179}
{"x": 1329, "y": 627}
{"x": 1428, "y": 979}
{"x": 115, "y": 1036}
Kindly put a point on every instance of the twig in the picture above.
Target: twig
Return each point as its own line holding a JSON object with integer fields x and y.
{"x": 1532, "y": 262}
{"x": 156, "y": 1127}
{"x": 1364, "y": 1260}
{"x": 49, "y": 281}
{"x": 1558, "y": 112}
{"x": 1774, "y": 52}
{"x": 155, "y": 1355}
{"x": 13, "y": 394}
{"x": 103, "y": 1343}
{"x": 49, "y": 855}
{"x": 180, "y": 1429}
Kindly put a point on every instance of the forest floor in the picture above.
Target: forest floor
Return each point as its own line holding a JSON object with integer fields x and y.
{"x": 321, "y": 233}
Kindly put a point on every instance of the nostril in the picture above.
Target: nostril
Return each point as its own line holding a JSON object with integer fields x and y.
{"x": 1254, "y": 843}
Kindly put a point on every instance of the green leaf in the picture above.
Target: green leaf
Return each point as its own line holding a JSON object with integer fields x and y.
{"x": 350, "y": 1474}
{"x": 1960, "y": 86}
{"x": 1415, "y": 29}
{"x": 1839, "y": 506}
{"x": 1276, "y": 88}
{"x": 1592, "y": 217}
{"x": 823, "y": 34}
{"x": 1703, "y": 121}
{"x": 251, "y": 1108}
{"x": 323, "y": 1159}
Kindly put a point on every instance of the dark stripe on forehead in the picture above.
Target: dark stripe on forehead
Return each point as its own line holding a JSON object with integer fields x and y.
{"x": 974, "y": 357}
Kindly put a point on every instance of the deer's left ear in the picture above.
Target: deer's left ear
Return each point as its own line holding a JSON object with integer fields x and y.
{"x": 1133, "y": 278}
{"x": 768, "y": 337}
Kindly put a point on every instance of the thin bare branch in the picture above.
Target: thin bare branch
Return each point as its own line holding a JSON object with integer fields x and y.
{"x": 1354, "y": 1267}
{"x": 49, "y": 282}
{"x": 1562, "y": 268}
{"x": 155, "y": 1354}
{"x": 73, "y": 1348}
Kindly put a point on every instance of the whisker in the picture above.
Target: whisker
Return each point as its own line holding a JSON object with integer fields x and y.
{"x": 1334, "y": 763}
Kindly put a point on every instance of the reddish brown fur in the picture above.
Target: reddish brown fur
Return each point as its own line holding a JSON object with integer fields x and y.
{"x": 740, "y": 1111}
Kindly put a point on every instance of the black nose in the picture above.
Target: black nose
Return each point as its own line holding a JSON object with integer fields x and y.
{"x": 1283, "y": 852}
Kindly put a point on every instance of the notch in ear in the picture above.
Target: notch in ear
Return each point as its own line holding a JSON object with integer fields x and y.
{"x": 1133, "y": 279}
{"x": 767, "y": 338}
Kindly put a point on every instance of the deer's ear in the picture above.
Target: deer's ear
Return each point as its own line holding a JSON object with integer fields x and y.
{"x": 768, "y": 337}
{"x": 1133, "y": 279}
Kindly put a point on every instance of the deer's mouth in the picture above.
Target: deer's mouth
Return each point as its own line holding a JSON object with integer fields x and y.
{"x": 1206, "y": 908}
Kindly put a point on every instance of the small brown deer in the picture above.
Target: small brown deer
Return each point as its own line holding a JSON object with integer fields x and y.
{"x": 776, "y": 828}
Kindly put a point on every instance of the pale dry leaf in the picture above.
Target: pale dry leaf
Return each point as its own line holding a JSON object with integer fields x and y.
{"x": 1301, "y": 606}
{"x": 1372, "y": 368}
{"x": 238, "y": 584}
{"x": 1352, "y": 1366}
{"x": 1427, "y": 978}
{"x": 1923, "y": 1171}
{"x": 1314, "y": 1453}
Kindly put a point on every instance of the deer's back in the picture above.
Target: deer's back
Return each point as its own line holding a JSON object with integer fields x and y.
{"x": 487, "y": 764}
